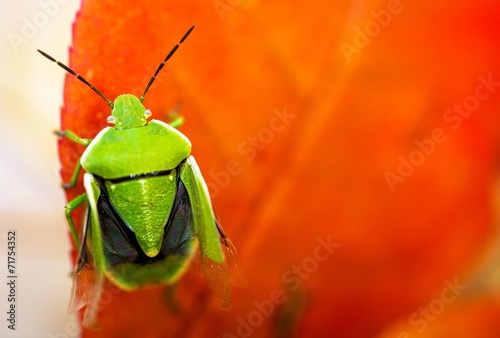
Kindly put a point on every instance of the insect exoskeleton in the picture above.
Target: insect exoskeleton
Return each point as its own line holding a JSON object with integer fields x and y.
{"x": 148, "y": 206}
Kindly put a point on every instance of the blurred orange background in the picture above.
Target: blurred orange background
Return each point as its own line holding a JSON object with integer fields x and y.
{"x": 351, "y": 149}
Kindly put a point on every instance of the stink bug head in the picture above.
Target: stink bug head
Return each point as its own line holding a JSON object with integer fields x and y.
{"x": 128, "y": 112}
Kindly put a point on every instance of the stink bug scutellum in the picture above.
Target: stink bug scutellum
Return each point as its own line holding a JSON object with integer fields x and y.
{"x": 148, "y": 206}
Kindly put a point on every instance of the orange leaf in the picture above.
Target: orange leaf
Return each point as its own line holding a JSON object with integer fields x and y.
{"x": 349, "y": 179}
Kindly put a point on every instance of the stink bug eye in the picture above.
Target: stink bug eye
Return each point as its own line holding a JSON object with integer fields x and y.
{"x": 111, "y": 119}
{"x": 149, "y": 210}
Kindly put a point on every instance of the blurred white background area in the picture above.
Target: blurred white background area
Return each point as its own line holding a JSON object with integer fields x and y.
{"x": 31, "y": 201}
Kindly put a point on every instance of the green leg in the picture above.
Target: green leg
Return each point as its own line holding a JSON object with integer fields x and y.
{"x": 75, "y": 138}
{"x": 176, "y": 120}
{"x": 68, "y": 209}
{"x": 74, "y": 177}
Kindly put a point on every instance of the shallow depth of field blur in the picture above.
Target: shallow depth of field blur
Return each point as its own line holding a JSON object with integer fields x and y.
{"x": 351, "y": 149}
{"x": 30, "y": 199}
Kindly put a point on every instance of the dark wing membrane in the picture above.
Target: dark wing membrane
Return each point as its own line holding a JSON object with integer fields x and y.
{"x": 120, "y": 243}
{"x": 179, "y": 231}
{"x": 237, "y": 277}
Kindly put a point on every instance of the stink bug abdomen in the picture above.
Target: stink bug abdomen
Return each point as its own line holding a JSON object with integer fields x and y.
{"x": 144, "y": 205}
{"x": 126, "y": 262}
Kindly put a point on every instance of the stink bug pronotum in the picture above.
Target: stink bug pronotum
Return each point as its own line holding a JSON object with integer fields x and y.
{"x": 148, "y": 206}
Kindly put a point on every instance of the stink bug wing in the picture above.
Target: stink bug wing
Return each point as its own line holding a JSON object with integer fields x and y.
{"x": 179, "y": 230}
{"x": 221, "y": 276}
{"x": 203, "y": 216}
{"x": 218, "y": 280}
{"x": 82, "y": 274}
{"x": 213, "y": 241}
{"x": 237, "y": 277}
{"x": 119, "y": 246}
{"x": 218, "y": 274}
{"x": 87, "y": 281}
{"x": 87, "y": 290}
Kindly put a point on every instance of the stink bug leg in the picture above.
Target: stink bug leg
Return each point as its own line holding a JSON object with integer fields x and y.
{"x": 176, "y": 120}
{"x": 75, "y": 138}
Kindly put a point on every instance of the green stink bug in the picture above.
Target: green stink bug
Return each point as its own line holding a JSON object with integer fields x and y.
{"x": 148, "y": 206}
